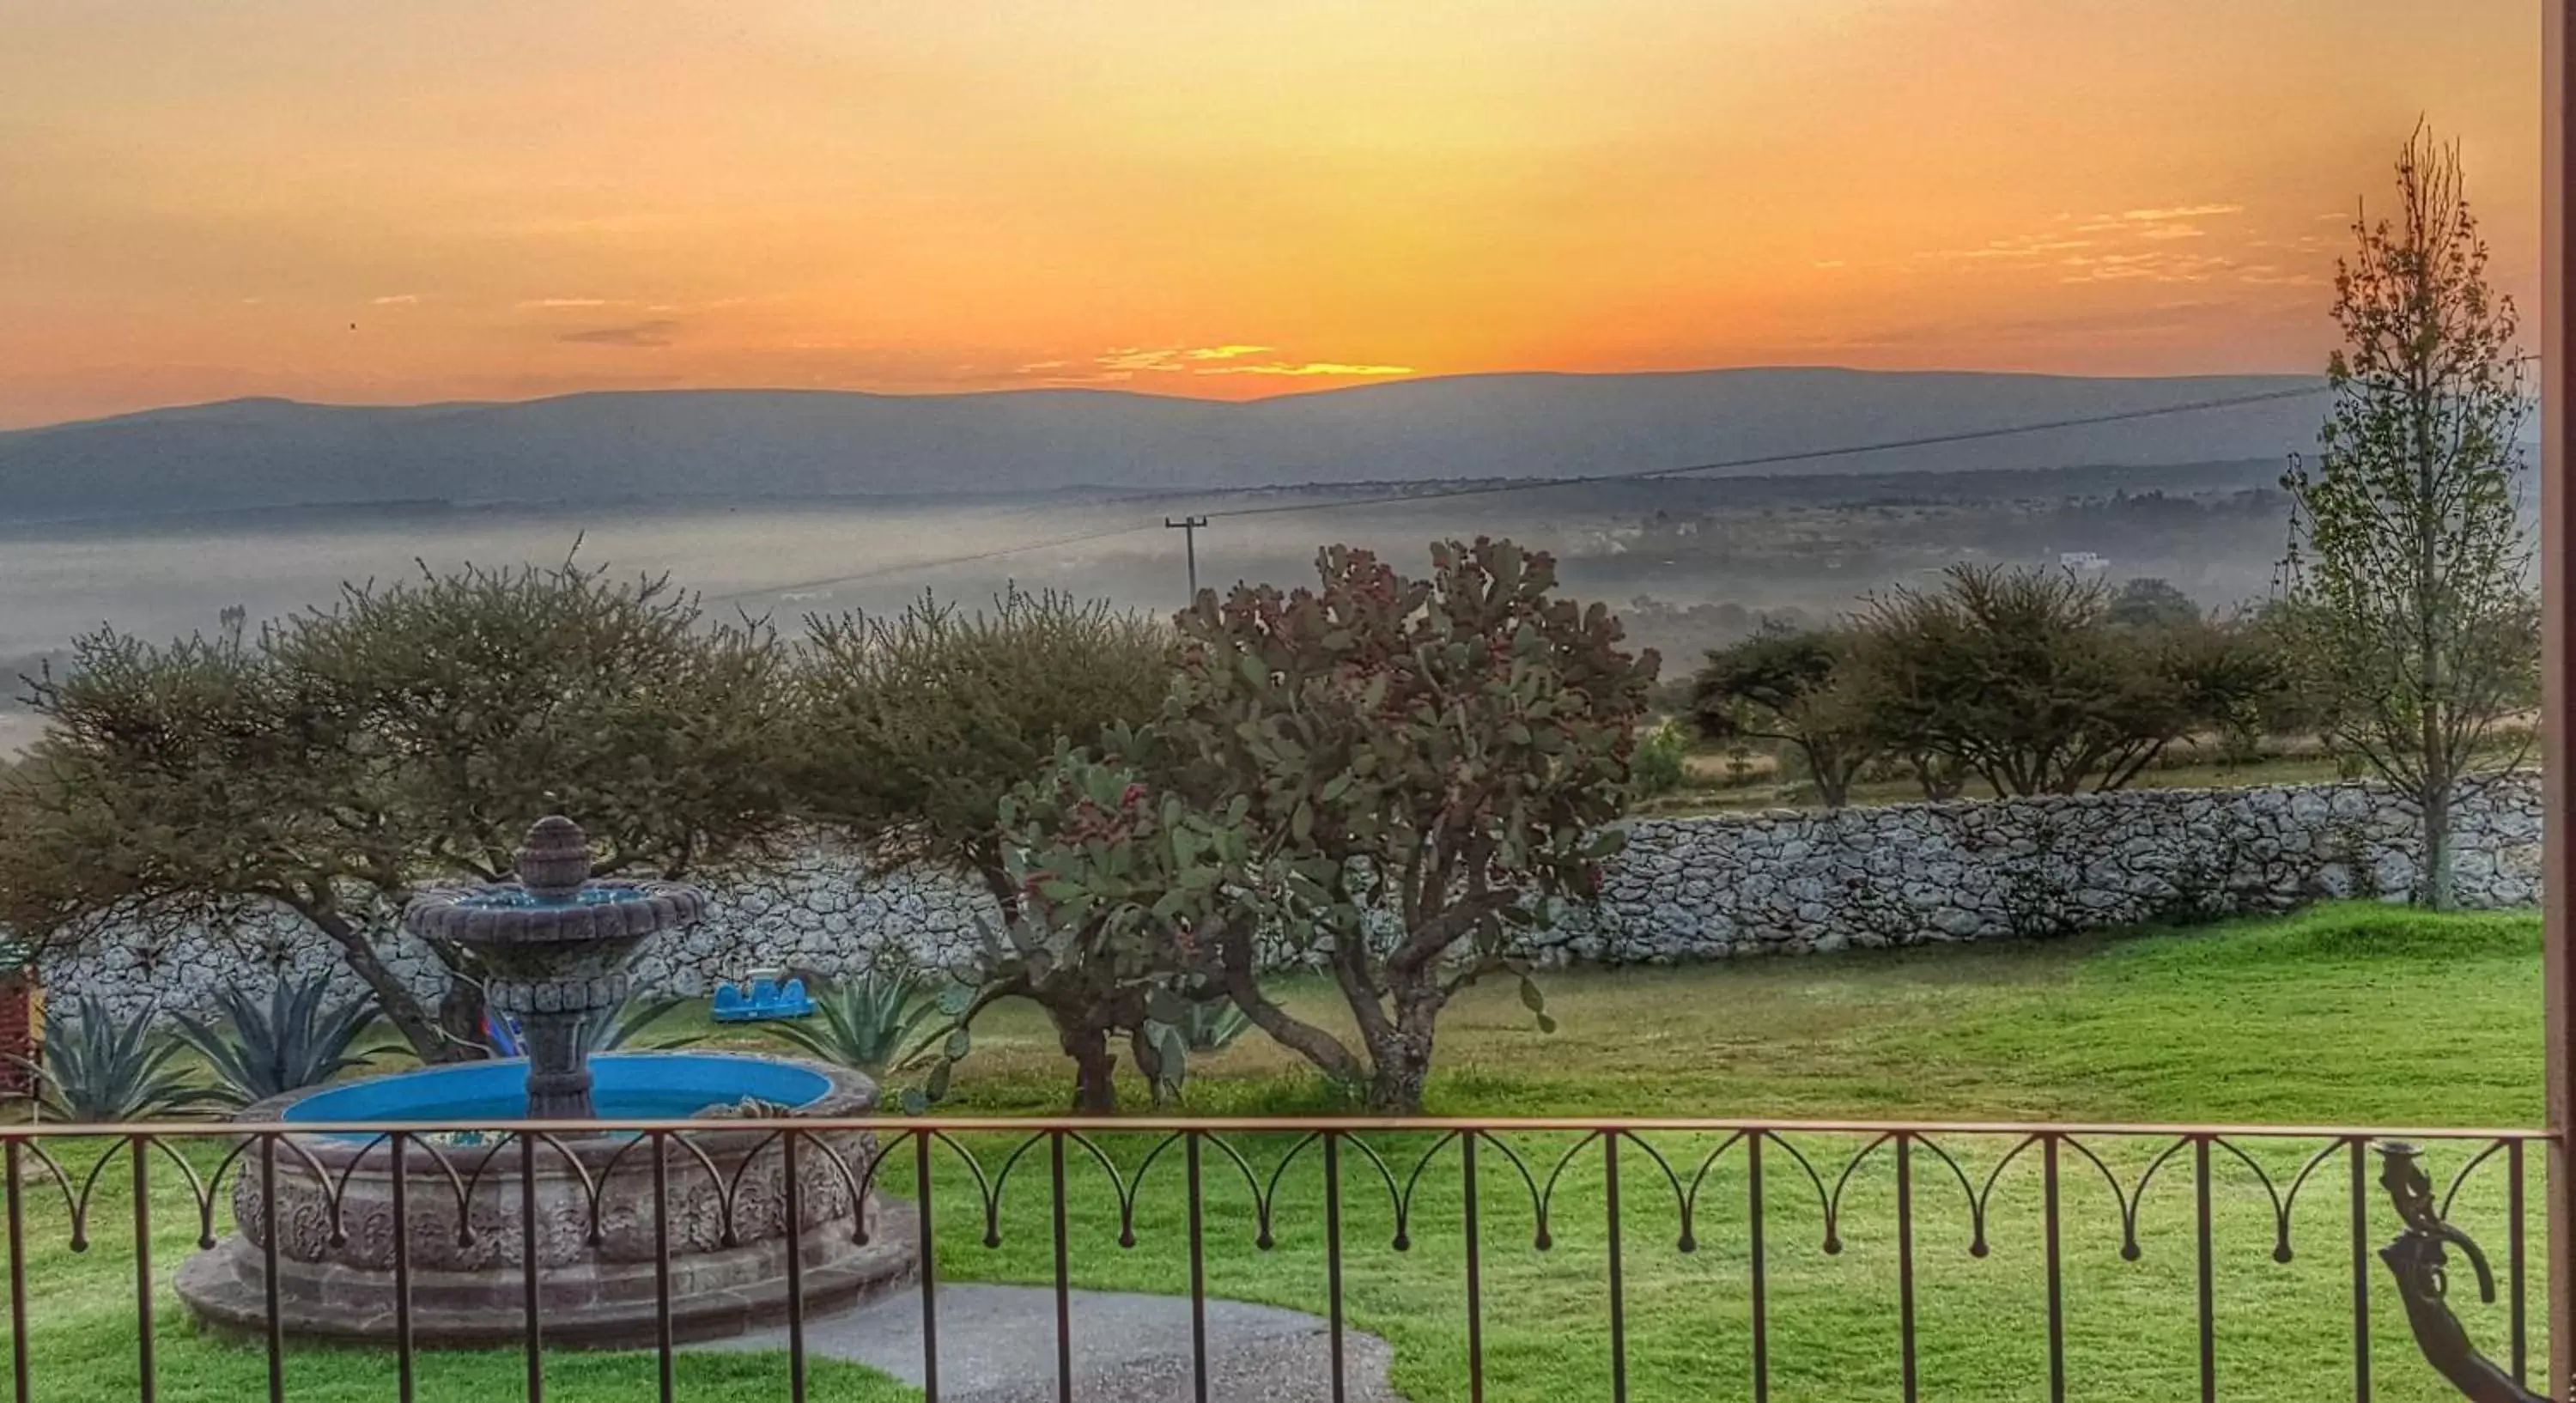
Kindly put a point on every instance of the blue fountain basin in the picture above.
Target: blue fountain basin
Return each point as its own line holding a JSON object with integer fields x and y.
{"x": 624, "y": 1086}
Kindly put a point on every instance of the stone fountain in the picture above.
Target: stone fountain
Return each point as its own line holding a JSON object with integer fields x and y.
{"x": 557, "y": 942}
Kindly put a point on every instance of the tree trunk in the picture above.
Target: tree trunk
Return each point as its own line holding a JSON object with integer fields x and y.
{"x": 460, "y": 1016}
{"x": 1832, "y": 776}
{"x": 2432, "y": 628}
{"x": 1238, "y": 967}
{"x": 1095, "y": 1069}
{"x": 401, "y": 1007}
{"x": 1400, "y": 1052}
{"x": 2437, "y": 843}
{"x": 1396, "y": 1084}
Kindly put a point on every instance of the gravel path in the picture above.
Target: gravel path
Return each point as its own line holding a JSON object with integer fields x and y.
{"x": 997, "y": 1344}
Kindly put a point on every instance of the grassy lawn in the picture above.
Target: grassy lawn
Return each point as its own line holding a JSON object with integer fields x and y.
{"x": 2351, "y": 1015}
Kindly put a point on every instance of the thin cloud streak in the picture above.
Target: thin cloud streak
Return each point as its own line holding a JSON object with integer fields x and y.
{"x": 640, "y": 335}
{"x": 1310, "y": 368}
{"x": 2158, "y": 216}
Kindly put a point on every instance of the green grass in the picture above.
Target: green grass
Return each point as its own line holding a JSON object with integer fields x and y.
{"x": 1712, "y": 789}
{"x": 2346, "y": 1015}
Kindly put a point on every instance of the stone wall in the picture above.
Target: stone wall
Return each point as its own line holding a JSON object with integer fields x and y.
{"x": 1698, "y": 888}
{"x": 1790, "y": 881}
{"x": 825, "y": 914}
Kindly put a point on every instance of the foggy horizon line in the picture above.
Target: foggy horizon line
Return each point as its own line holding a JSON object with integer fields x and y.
{"x": 1135, "y": 393}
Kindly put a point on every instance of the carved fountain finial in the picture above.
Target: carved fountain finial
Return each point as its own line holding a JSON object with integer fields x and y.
{"x": 554, "y": 859}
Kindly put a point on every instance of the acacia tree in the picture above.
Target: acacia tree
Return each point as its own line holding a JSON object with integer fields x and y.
{"x": 1792, "y": 686}
{"x": 2022, "y": 677}
{"x": 2408, "y": 561}
{"x": 2152, "y": 602}
{"x": 338, "y": 758}
{"x": 965, "y": 740}
{"x": 2243, "y": 681}
{"x": 1419, "y": 763}
{"x": 915, "y": 726}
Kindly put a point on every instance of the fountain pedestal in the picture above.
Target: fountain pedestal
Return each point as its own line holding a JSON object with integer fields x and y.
{"x": 554, "y": 1013}
{"x": 557, "y": 943}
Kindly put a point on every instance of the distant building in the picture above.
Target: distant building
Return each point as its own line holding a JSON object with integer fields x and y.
{"x": 2083, "y": 560}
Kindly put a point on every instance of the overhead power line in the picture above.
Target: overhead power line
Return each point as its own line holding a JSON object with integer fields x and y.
{"x": 1487, "y": 489}
{"x": 1804, "y": 455}
{"x": 910, "y": 566}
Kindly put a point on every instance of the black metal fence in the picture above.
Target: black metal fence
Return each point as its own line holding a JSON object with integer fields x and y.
{"x": 543, "y": 1236}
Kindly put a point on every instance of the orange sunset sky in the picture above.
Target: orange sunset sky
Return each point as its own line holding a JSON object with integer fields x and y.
{"x": 392, "y": 201}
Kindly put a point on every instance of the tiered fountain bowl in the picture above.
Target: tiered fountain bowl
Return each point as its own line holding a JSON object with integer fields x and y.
{"x": 557, "y": 942}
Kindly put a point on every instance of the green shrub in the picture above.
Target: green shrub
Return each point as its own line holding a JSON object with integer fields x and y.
{"x": 1212, "y": 1027}
{"x": 1660, "y": 762}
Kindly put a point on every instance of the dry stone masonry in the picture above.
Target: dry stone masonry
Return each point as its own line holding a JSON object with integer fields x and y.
{"x": 1783, "y": 881}
{"x": 1788, "y": 881}
{"x": 824, "y": 913}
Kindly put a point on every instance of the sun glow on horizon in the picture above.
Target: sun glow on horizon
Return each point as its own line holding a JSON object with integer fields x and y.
{"x": 479, "y": 200}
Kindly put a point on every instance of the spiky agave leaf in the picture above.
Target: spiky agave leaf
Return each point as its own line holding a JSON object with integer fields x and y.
{"x": 97, "y": 1069}
{"x": 627, "y": 1027}
{"x": 1198, "y": 1027}
{"x": 293, "y": 1042}
{"x": 1212, "y": 1026}
{"x": 871, "y": 1023}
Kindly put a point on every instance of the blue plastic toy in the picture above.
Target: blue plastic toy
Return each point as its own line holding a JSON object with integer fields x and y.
{"x": 760, "y": 996}
{"x": 502, "y": 1033}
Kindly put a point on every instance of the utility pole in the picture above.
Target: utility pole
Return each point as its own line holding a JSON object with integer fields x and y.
{"x": 1189, "y": 526}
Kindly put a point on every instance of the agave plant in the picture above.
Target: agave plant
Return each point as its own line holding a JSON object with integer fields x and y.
{"x": 1212, "y": 1026}
{"x": 628, "y": 1027}
{"x": 98, "y": 1069}
{"x": 297, "y": 1039}
{"x": 1164, "y": 1048}
{"x": 871, "y": 1023}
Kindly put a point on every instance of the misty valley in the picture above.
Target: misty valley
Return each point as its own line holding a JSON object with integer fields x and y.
{"x": 1691, "y": 563}
{"x": 1699, "y": 503}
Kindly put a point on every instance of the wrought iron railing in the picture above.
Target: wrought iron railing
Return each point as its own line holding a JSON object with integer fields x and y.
{"x": 515, "y": 1205}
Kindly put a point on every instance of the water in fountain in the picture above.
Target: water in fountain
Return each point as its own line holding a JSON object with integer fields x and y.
{"x": 555, "y": 944}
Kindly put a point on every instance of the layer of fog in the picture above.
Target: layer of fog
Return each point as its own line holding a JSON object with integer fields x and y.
{"x": 1691, "y": 563}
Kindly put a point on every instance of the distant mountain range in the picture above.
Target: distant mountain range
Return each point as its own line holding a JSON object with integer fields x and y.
{"x": 771, "y": 444}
